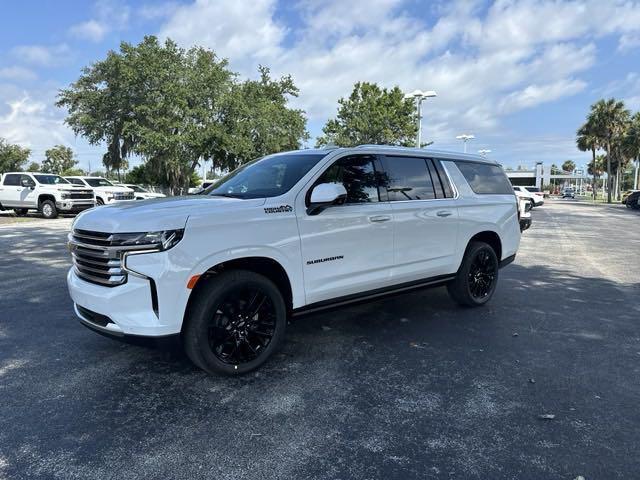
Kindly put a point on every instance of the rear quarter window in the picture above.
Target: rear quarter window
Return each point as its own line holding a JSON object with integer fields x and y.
{"x": 485, "y": 178}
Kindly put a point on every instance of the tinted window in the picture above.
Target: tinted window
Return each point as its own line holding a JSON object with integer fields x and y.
{"x": 11, "y": 179}
{"x": 75, "y": 181}
{"x": 357, "y": 174}
{"x": 266, "y": 177}
{"x": 99, "y": 182}
{"x": 408, "y": 179}
{"x": 50, "y": 179}
{"x": 28, "y": 180}
{"x": 485, "y": 178}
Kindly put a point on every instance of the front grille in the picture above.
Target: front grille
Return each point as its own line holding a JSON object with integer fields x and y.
{"x": 95, "y": 259}
{"x": 80, "y": 195}
{"x": 123, "y": 196}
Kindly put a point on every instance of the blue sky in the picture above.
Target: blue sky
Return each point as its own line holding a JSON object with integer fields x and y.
{"x": 519, "y": 75}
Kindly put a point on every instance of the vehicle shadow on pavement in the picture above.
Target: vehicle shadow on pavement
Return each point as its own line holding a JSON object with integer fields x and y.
{"x": 405, "y": 387}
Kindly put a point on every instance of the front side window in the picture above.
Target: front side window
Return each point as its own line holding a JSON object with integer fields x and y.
{"x": 50, "y": 179}
{"x": 98, "y": 182}
{"x": 75, "y": 181}
{"x": 11, "y": 179}
{"x": 485, "y": 178}
{"x": 408, "y": 179}
{"x": 269, "y": 176}
{"x": 358, "y": 175}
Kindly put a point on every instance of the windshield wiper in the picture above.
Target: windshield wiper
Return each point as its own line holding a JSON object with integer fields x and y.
{"x": 227, "y": 195}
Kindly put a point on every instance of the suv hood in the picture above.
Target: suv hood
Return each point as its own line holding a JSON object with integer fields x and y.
{"x": 156, "y": 214}
{"x": 112, "y": 189}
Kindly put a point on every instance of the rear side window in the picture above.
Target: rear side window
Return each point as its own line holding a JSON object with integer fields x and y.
{"x": 485, "y": 178}
{"x": 11, "y": 179}
{"x": 407, "y": 178}
{"x": 440, "y": 179}
{"x": 357, "y": 174}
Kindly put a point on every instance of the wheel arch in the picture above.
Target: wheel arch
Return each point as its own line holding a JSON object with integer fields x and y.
{"x": 45, "y": 196}
{"x": 489, "y": 237}
{"x": 262, "y": 265}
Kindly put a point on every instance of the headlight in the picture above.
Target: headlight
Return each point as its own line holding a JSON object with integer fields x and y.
{"x": 66, "y": 196}
{"x": 162, "y": 240}
{"x": 108, "y": 193}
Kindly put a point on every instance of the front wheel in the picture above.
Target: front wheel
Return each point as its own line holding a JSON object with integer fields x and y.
{"x": 236, "y": 322}
{"x": 48, "y": 209}
{"x": 477, "y": 277}
{"x": 99, "y": 201}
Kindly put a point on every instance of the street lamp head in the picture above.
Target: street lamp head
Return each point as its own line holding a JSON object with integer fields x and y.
{"x": 465, "y": 137}
{"x": 421, "y": 94}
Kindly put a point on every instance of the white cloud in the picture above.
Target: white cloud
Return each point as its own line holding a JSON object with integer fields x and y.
{"x": 109, "y": 15}
{"x": 629, "y": 42}
{"x": 91, "y": 30}
{"x": 17, "y": 73}
{"x": 533, "y": 95}
{"x": 484, "y": 64}
{"x": 42, "y": 55}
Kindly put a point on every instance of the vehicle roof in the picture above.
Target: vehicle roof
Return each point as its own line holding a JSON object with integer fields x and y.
{"x": 82, "y": 176}
{"x": 30, "y": 173}
{"x": 390, "y": 149}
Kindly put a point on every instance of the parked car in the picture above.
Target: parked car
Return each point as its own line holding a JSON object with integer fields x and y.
{"x": 568, "y": 193}
{"x": 536, "y": 198}
{"x": 633, "y": 200}
{"x": 141, "y": 193}
{"x": 292, "y": 233}
{"x": 47, "y": 193}
{"x": 106, "y": 192}
{"x": 626, "y": 194}
{"x": 524, "y": 214}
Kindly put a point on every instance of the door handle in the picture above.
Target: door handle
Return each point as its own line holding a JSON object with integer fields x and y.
{"x": 444, "y": 213}
{"x": 379, "y": 218}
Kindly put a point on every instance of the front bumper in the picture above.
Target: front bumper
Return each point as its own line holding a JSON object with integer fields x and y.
{"x": 75, "y": 205}
{"x": 129, "y": 308}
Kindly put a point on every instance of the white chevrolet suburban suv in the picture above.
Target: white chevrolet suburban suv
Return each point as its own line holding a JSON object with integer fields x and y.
{"x": 287, "y": 234}
{"x": 106, "y": 192}
{"x": 49, "y": 194}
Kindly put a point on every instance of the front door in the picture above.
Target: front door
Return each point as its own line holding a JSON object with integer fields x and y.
{"x": 27, "y": 195}
{"x": 348, "y": 248}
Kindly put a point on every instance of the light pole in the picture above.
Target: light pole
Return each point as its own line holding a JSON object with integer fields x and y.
{"x": 419, "y": 95}
{"x": 484, "y": 152}
{"x": 465, "y": 137}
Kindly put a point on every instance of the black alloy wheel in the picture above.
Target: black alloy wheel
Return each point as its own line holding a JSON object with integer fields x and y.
{"x": 242, "y": 325}
{"x": 482, "y": 275}
{"x": 476, "y": 279}
{"x": 235, "y": 322}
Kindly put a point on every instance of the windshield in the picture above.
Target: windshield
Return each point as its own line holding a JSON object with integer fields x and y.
{"x": 533, "y": 189}
{"x": 136, "y": 188}
{"x": 98, "y": 182}
{"x": 265, "y": 177}
{"x": 50, "y": 179}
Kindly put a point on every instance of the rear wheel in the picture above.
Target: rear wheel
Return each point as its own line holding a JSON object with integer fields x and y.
{"x": 48, "y": 209}
{"x": 477, "y": 277}
{"x": 533, "y": 203}
{"x": 235, "y": 324}
{"x": 20, "y": 212}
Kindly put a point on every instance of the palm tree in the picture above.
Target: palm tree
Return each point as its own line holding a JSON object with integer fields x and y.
{"x": 610, "y": 118}
{"x": 631, "y": 144}
{"x": 587, "y": 139}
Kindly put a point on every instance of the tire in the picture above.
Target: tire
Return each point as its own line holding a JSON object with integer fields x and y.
{"x": 221, "y": 336}
{"x": 479, "y": 265}
{"x": 533, "y": 203}
{"x": 48, "y": 209}
{"x": 20, "y": 212}
{"x": 99, "y": 201}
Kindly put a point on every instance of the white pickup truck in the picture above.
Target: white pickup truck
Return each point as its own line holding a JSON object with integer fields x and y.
{"x": 49, "y": 194}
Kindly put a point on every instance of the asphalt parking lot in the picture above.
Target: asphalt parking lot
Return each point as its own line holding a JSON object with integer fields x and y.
{"x": 408, "y": 387}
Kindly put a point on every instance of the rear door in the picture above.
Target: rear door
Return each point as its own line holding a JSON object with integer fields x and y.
{"x": 425, "y": 217}
{"x": 10, "y": 190}
{"x": 347, "y": 249}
